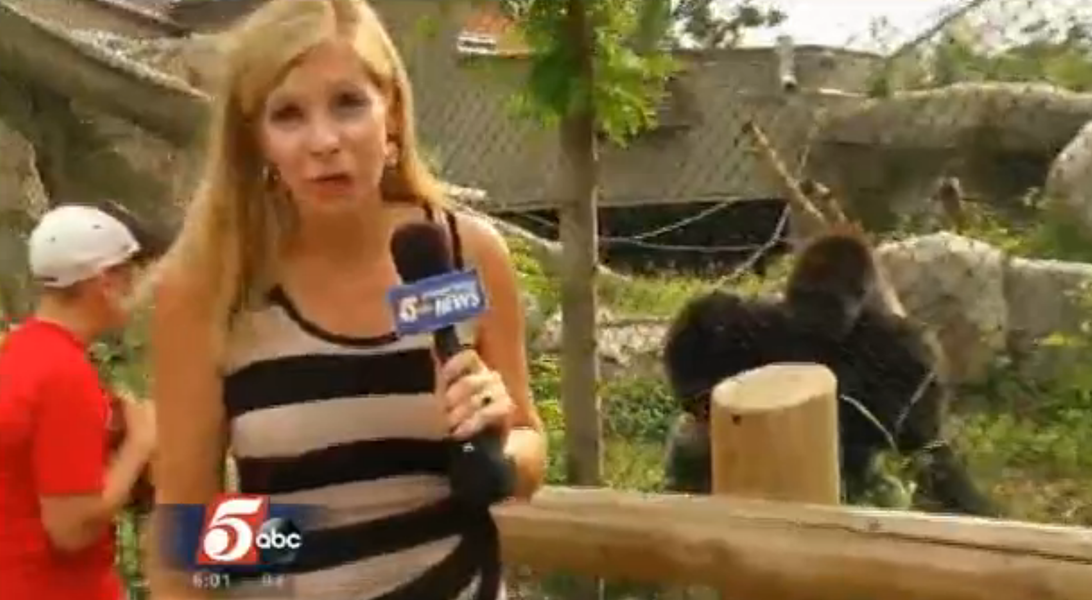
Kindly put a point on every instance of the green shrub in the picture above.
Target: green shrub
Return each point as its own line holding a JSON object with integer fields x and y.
{"x": 638, "y": 409}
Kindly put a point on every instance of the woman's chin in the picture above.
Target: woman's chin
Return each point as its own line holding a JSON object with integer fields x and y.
{"x": 332, "y": 204}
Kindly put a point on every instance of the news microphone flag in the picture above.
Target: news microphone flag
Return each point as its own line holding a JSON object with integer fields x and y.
{"x": 430, "y": 304}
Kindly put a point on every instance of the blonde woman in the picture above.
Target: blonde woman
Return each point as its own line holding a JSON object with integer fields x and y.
{"x": 271, "y": 332}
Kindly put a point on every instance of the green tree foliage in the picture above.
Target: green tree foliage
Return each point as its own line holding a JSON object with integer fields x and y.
{"x": 632, "y": 44}
{"x": 1052, "y": 51}
{"x": 702, "y": 25}
{"x": 627, "y": 82}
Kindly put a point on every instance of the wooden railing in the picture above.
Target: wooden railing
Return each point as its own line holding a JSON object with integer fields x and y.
{"x": 775, "y": 436}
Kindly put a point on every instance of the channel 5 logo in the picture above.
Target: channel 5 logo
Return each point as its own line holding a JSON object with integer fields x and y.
{"x": 236, "y": 531}
{"x": 240, "y": 531}
{"x": 435, "y": 302}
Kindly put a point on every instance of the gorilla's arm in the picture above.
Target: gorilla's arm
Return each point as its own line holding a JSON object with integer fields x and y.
{"x": 946, "y": 481}
{"x": 910, "y": 366}
{"x": 716, "y": 336}
{"x": 689, "y": 463}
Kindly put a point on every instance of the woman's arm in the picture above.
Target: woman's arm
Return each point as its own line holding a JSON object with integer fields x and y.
{"x": 190, "y": 422}
{"x": 502, "y": 346}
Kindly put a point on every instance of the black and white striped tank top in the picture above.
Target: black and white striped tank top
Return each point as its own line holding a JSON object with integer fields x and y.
{"x": 353, "y": 425}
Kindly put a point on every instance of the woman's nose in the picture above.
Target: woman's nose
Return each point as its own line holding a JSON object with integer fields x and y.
{"x": 322, "y": 136}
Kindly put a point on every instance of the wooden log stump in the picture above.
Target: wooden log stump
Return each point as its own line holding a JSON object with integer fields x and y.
{"x": 775, "y": 435}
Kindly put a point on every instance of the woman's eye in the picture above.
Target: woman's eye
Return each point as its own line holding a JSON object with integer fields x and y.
{"x": 350, "y": 102}
{"x": 285, "y": 113}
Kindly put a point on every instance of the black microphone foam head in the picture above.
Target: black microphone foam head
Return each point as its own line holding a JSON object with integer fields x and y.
{"x": 420, "y": 250}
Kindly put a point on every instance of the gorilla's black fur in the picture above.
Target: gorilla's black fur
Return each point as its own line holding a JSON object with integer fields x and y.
{"x": 829, "y": 316}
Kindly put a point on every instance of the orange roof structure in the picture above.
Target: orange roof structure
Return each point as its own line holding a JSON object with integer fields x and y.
{"x": 489, "y": 31}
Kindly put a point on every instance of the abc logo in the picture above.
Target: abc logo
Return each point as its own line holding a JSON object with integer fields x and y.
{"x": 278, "y": 542}
{"x": 238, "y": 532}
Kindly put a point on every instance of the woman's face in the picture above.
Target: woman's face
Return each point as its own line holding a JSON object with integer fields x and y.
{"x": 324, "y": 130}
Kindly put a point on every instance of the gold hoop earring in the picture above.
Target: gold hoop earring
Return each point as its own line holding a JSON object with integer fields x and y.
{"x": 269, "y": 177}
{"x": 392, "y": 158}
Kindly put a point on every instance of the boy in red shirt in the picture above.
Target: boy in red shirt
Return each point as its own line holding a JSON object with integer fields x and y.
{"x": 60, "y": 489}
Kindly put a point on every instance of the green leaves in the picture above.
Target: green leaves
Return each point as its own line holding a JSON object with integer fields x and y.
{"x": 1054, "y": 50}
{"x": 628, "y": 86}
{"x": 627, "y": 77}
{"x": 632, "y": 43}
{"x": 705, "y": 27}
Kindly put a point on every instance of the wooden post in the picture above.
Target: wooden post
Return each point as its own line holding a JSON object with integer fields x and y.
{"x": 775, "y": 435}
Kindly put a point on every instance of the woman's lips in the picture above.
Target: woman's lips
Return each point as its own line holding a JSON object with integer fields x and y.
{"x": 332, "y": 185}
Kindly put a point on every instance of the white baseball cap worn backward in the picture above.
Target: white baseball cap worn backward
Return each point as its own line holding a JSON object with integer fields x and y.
{"x": 73, "y": 243}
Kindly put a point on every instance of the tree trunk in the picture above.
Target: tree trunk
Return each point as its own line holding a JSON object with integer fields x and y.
{"x": 579, "y": 260}
{"x": 579, "y": 360}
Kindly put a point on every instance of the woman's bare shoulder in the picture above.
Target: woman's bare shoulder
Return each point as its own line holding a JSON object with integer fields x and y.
{"x": 179, "y": 298}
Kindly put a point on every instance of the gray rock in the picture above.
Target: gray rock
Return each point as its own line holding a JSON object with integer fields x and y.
{"x": 955, "y": 285}
{"x": 1045, "y": 297}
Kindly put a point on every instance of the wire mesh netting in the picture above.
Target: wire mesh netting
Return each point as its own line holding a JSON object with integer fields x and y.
{"x": 959, "y": 150}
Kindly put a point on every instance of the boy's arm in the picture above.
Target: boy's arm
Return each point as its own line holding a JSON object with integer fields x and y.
{"x": 79, "y": 495}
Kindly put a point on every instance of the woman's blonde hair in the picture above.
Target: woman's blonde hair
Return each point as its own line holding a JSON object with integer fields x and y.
{"x": 234, "y": 226}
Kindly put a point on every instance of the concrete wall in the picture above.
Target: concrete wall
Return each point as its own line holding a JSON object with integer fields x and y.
{"x": 107, "y": 15}
{"x": 468, "y": 124}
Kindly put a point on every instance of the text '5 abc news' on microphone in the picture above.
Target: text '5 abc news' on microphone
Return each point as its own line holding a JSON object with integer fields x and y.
{"x": 241, "y": 542}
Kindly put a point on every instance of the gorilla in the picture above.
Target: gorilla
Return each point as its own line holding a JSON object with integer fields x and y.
{"x": 831, "y": 314}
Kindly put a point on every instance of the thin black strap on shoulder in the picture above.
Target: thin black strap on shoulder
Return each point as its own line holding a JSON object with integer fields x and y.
{"x": 456, "y": 242}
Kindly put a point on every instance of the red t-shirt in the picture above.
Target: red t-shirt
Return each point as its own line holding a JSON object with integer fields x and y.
{"x": 53, "y": 442}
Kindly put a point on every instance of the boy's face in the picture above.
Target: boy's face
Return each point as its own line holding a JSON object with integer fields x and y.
{"x": 112, "y": 293}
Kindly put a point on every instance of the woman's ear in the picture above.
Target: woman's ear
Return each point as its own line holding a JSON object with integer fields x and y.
{"x": 394, "y": 116}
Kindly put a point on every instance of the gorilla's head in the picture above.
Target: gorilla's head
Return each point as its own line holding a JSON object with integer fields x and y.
{"x": 831, "y": 281}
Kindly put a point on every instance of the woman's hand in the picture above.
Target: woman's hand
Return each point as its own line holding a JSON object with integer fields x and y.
{"x": 475, "y": 397}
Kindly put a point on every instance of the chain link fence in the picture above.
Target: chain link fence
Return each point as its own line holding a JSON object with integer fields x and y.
{"x": 959, "y": 150}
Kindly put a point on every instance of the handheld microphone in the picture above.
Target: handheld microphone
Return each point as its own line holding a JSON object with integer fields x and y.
{"x": 434, "y": 298}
